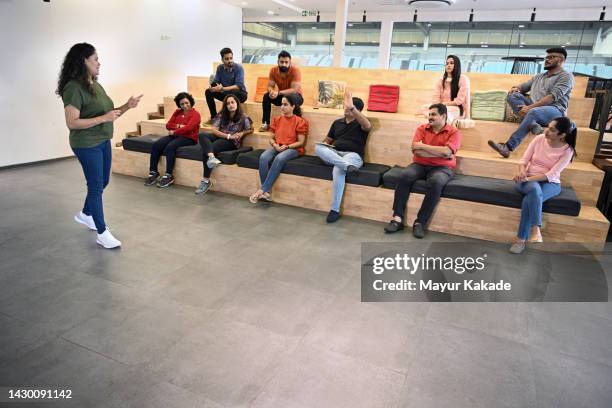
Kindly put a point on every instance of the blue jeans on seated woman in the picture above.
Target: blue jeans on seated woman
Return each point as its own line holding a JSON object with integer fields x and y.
{"x": 535, "y": 194}
{"x": 96, "y": 163}
{"x": 268, "y": 174}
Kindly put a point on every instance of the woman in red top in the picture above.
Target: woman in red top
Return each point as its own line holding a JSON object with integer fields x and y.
{"x": 183, "y": 128}
{"x": 289, "y": 133}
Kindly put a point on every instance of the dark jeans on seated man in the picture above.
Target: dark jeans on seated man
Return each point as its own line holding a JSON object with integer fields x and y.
{"x": 167, "y": 145}
{"x": 436, "y": 176}
{"x": 211, "y": 96}
{"x": 267, "y": 104}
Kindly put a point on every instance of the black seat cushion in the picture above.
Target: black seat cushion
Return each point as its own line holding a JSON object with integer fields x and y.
{"x": 141, "y": 144}
{"x": 144, "y": 144}
{"x": 195, "y": 153}
{"x": 370, "y": 174}
{"x": 250, "y": 159}
{"x": 490, "y": 191}
{"x": 312, "y": 166}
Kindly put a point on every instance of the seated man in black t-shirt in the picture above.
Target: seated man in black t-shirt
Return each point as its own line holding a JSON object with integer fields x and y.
{"x": 343, "y": 148}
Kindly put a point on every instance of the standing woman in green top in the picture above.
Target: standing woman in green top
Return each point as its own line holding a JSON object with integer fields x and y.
{"x": 90, "y": 114}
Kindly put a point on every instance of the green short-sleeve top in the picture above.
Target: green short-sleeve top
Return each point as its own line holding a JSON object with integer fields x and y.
{"x": 90, "y": 106}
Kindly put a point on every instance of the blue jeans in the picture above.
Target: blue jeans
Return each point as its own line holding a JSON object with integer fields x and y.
{"x": 268, "y": 174}
{"x": 340, "y": 161}
{"x": 535, "y": 193}
{"x": 541, "y": 115}
{"x": 96, "y": 162}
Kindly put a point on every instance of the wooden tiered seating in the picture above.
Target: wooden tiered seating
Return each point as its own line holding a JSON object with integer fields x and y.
{"x": 389, "y": 143}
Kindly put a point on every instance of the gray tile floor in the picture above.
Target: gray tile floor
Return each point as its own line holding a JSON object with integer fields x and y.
{"x": 214, "y": 302}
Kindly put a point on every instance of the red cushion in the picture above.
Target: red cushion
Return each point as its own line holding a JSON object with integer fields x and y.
{"x": 383, "y": 98}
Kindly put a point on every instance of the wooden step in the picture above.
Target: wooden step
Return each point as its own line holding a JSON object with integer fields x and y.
{"x": 464, "y": 218}
{"x": 583, "y": 177}
{"x": 391, "y": 136}
{"x": 416, "y": 87}
{"x": 134, "y": 133}
{"x": 155, "y": 115}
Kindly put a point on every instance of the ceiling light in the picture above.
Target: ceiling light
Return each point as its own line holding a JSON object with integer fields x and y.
{"x": 414, "y": 45}
{"x": 521, "y": 26}
{"x": 288, "y": 5}
{"x": 484, "y": 46}
{"x": 430, "y": 3}
{"x": 314, "y": 28}
{"x": 351, "y": 24}
{"x": 568, "y": 43}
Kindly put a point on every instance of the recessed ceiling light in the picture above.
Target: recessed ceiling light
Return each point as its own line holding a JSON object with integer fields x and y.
{"x": 414, "y": 45}
{"x": 351, "y": 24}
{"x": 568, "y": 43}
{"x": 270, "y": 12}
{"x": 449, "y": 45}
{"x": 484, "y": 46}
{"x": 314, "y": 28}
{"x": 521, "y": 26}
{"x": 522, "y": 42}
{"x": 563, "y": 46}
{"x": 352, "y": 43}
{"x": 521, "y": 46}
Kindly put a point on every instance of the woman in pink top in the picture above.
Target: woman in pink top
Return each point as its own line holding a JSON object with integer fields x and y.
{"x": 538, "y": 176}
{"x": 454, "y": 88}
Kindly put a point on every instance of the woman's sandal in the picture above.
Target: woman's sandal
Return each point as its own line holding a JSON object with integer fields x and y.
{"x": 255, "y": 197}
{"x": 267, "y": 197}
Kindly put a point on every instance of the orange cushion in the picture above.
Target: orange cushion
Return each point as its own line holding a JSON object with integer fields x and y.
{"x": 262, "y": 88}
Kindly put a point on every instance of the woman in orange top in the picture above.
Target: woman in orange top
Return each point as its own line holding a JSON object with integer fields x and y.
{"x": 289, "y": 133}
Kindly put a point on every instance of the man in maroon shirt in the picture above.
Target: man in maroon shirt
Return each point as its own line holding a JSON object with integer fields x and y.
{"x": 434, "y": 147}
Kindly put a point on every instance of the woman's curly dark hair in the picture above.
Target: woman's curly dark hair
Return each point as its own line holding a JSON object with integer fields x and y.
{"x": 74, "y": 67}
{"x": 182, "y": 95}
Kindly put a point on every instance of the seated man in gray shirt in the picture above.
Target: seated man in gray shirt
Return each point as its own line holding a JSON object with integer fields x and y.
{"x": 549, "y": 94}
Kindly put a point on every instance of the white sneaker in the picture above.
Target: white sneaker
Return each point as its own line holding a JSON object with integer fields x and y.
{"x": 107, "y": 240}
{"x": 213, "y": 162}
{"x": 86, "y": 220}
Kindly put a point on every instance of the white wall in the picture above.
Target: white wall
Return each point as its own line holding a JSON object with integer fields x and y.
{"x": 35, "y": 36}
